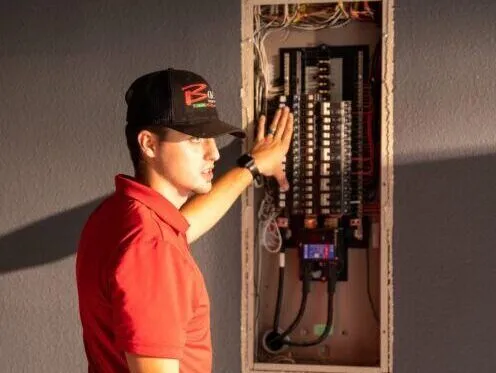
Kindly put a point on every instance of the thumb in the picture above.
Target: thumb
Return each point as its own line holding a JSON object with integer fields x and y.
{"x": 282, "y": 180}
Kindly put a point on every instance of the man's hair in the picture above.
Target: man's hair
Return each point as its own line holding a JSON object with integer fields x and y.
{"x": 133, "y": 146}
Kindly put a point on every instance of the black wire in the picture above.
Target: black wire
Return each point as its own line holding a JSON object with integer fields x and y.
{"x": 324, "y": 334}
{"x": 280, "y": 289}
{"x": 303, "y": 304}
{"x": 331, "y": 284}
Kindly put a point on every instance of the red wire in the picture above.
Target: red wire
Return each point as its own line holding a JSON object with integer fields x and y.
{"x": 368, "y": 115}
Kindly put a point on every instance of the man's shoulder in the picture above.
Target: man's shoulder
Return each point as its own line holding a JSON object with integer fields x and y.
{"x": 124, "y": 220}
{"x": 123, "y": 213}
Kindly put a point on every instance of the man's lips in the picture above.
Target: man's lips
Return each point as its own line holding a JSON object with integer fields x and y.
{"x": 208, "y": 173}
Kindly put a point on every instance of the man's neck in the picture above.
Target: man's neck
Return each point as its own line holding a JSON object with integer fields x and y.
{"x": 164, "y": 187}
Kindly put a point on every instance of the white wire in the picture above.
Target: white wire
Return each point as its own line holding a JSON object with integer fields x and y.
{"x": 269, "y": 234}
{"x": 263, "y": 28}
{"x": 271, "y": 239}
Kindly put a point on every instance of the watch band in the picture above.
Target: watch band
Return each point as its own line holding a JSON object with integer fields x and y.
{"x": 247, "y": 161}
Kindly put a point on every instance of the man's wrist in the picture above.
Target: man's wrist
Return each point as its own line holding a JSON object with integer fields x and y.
{"x": 248, "y": 162}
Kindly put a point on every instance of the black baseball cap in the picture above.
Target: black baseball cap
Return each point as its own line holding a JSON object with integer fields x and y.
{"x": 176, "y": 99}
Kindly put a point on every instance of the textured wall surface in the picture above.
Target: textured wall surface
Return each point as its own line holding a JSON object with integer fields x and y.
{"x": 64, "y": 69}
{"x": 445, "y": 157}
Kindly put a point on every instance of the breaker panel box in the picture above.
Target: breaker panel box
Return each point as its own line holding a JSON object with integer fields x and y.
{"x": 316, "y": 295}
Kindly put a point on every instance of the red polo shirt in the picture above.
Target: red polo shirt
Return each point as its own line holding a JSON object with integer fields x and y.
{"x": 139, "y": 288}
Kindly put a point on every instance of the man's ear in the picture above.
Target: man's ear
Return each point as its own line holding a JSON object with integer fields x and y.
{"x": 148, "y": 143}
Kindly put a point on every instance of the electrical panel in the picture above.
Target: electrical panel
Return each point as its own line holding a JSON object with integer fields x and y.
{"x": 324, "y": 87}
{"x": 316, "y": 260}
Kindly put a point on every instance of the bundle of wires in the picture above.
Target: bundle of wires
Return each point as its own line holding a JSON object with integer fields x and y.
{"x": 309, "y": 17}
{"x": 269, "y": 235}
{"x": 277, "y": 339}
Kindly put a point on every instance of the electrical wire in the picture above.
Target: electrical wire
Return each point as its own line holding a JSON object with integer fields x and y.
{"x": 331, "y": 285}
{"x": 269, "y": 234}
{"x": 303, "y": 303}
{"x": 297, "y": 16}
{"x": 280, "y": 291}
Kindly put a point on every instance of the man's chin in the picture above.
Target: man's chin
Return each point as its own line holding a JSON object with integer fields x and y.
{"x": 203, "y": 189}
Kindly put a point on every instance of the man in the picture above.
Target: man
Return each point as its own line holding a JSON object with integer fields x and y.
{"x": 143, "y": 303}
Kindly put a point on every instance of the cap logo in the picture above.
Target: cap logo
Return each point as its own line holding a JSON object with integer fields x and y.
{"x": 197, "y": 96}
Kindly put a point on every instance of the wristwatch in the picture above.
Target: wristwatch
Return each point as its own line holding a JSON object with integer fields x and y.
{"x": 247, "y": 161}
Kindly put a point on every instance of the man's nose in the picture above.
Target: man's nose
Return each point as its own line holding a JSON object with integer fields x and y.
{"x": 212, "y": 153}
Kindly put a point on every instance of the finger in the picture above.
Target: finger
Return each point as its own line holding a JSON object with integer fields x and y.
{"x": 288, "y": 133}
{"x": 261, "y": 128}
{"x": 282, "y": 123}
{"x": 282, "y": 180}
{"x": 273, "y": 125}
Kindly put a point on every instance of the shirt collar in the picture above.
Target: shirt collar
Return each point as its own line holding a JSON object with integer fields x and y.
{"x": 153, "y": 200}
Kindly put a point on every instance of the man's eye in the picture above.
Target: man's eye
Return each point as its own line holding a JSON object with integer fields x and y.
{"x": 195, "y": 140}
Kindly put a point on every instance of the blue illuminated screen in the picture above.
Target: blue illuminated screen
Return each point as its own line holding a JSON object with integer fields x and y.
{"x": 318, "y": 251}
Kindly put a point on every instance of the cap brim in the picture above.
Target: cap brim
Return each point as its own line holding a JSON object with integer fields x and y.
{"x": 212, "y": 128}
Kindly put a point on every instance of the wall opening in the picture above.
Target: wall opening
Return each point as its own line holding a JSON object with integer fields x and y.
{"x": 316, "y": 259}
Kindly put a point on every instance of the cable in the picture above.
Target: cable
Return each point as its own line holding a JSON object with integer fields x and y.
{"x": 280, "y": 290}
{"x": 331, "y": 287}
{"x": 269, "y": 234}
{"x": 303, "y": 303}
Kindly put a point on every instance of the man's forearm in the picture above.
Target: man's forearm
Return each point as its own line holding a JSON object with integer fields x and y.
{"x": 204, "y": 210}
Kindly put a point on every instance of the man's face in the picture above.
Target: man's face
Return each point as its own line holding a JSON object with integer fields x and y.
{"x": 187, "y": 162}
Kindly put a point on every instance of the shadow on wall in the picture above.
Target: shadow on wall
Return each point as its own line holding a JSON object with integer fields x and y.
{"x": 57, "y": 237}
{"x": 444, "y": 266}
{"x": 45, "y": 241}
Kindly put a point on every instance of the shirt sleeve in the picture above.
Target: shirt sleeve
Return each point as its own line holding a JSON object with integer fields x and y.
{"x": 151, "y": 298}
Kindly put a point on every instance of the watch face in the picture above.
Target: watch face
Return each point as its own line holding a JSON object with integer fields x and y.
{"x": 245, "y": 160}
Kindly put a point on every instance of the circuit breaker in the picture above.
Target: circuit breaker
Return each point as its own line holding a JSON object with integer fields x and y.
{"x": 317, "y": 270}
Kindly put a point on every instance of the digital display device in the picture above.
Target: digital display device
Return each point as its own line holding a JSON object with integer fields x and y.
{"x": 319, "y": 251}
